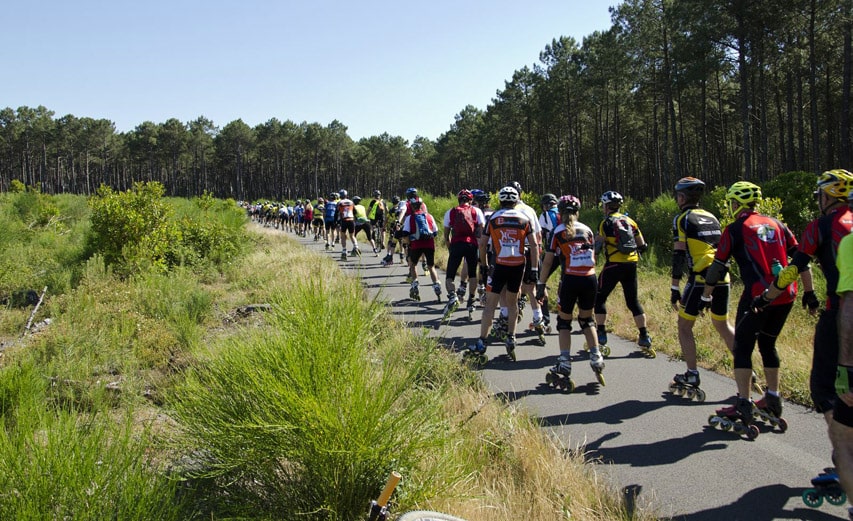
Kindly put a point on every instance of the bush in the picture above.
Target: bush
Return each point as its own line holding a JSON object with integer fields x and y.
{"x": 794, "y": 189}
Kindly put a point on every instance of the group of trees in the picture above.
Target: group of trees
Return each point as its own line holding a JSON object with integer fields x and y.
{"x": 727, "y": 90}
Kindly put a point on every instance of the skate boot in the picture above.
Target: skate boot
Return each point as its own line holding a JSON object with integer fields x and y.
{"x": 826, "y": 485}
{"x": 645, "y": 343}
{"x": 476, "y": 354}
{"x": 769, "y": 409}
{"x": 499, "y": 327}
{"x": 376, "y": 251}
{"x": 687, "y": 385}
{"x": 343, "y": 255}
{"x": 539, "y": 327}
{"x": 437, "y": 288}
{"x": 596, "y": 362}
{"x": 414, "y": 293}
{"x": 328, "y": 246}
{"x": 602, "y": 336}
{"x": 510, "y": 347}
{"x": 355, "y": 252}
{"x": 462, "y": 290}
{"x": 388, "y": 260}
{"x": 337, "y": 240}
{"x": 737, "y": 418}
{"x": 470, "y": 308}
{"x": 559, "y": 376}
{"x": 481, "y": 294}
{"x": 401, "y": 257}
{"x": 451, "y": 306}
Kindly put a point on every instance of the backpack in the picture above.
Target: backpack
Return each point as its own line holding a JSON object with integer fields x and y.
{"x": 420, "y": 230}
{"x": 625, "y": 241}
{"x": 463, "y": 221}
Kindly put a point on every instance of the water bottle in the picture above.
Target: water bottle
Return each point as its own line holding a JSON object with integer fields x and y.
{"x": 775, "y": 267}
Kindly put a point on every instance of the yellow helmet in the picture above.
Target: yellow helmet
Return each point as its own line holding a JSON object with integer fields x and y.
{"x": 744, "y": 192}
{"x": 836, "y": 183}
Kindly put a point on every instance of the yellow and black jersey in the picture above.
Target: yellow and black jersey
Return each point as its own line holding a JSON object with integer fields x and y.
{"x": 700, "y": 231}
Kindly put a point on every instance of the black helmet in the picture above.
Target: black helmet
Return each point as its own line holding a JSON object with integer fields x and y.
{"x": 343, "y": 193}
{"x": 517, "y": 186}
{"x": 549, "y": 200}
{"x": 356, "y": 199}
{"x": 395, "y": 199}
{"x": 377, "y": 193}
{"x": 690, "y": 185}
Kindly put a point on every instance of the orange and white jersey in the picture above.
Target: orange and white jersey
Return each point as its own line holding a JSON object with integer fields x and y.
{"x": 507, "y": 229}
{"x": 577, "y": 249}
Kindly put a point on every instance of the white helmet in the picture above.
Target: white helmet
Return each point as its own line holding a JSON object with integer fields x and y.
{"x": 508, "y": 194}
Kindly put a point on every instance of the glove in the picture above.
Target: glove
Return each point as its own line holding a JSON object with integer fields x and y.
{"x": 674, "y": 295}
{"x": 704, "y": 303}
{"x": 540, "y": 290}
{"x": 533, "y": 276}
{"x": 759, "y": 303}
{"x": 643, "y": 248}
{"x": 810, "y": 301}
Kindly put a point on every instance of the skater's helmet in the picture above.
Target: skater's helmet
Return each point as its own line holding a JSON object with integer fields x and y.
{"x": 549, "y": 200}
{"x": 612, "y": 198}
{"x": 690, "y": 185}
{"x": 377, "y": 193}
{"x": 411, "y": 192}
{"x": 342, "y": 193}
{"x": 465, "y": 196}
{"x": 356, "y": 200}
{"x": 743, "y": 192}
{"x": 508, "y": 195}
{"x": 835, "y": 183}
{"x": 517, "y": 186}
{"x": 569, "y": 204}
{"x": 395, "y": 200}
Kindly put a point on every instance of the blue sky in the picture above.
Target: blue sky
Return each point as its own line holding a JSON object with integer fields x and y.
{"x": 376, "y": 66}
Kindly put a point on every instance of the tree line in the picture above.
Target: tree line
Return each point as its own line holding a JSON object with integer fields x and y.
{"x": 726, "y": 90}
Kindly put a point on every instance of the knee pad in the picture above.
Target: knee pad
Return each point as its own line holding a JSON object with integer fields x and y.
{"x": 564, "y": 324}
{"x": 586, "y": 323}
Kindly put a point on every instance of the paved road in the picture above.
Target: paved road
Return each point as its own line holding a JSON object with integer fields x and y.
{"x": 644, "y": 438}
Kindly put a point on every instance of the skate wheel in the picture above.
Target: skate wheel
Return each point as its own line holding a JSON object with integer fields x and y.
{"x": 726, "y": 425}
{"x": 672, "y": 387}
{"x": 751, "y": 431}
{"x": 812, "y": 498}
{"x": 700, "y": 395}
{"x": 569, "y": 385}
{"x": 783, "y": 424}
{"x": 600, "y": 378}
{"x": 549, "y": 378}
{"x": 836, "y": 497}
{"x": 679, "y": 391}
{"x": 713, "y": 420}
{"x": 605, "y": 351}
{"x": 650, "y": 352}
{"x": 541, "y": 340}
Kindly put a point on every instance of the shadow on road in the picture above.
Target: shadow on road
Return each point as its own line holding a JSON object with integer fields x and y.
{"x": 761, "y": 504}
{"x": 663, "y": 452}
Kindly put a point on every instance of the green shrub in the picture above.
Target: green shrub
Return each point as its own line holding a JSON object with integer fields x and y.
{"x": 794, "y": 189}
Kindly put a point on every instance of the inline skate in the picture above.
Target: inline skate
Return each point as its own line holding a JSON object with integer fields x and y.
{"x": 826, "y": 485}
{"x": 388, "y": 260}
{"x": 328, "y": 246}
{"x": 451, "y": 306}
{"x": 481, "y": 294}
{"x": 343, "y": 255}
{"x": 602, "y": 336}
{"x": 437, "y": 288}
{"x": 510, "y": 347}
{"x": 559, "y": 376}
{"x": 470, "y": 308}
{"x": 499, "y": 327}
{"x": 605, "y": 350}
{"x": 687, "y": 385}
{"x": 539, "y": 327}
{"x": 462, "y": 290}
{"x": 769, "y": 410}
{"x": 476, "y": 353}
{"x": 522, "y": 302}
{"x": 737, "y": 417}
{"x": 355, "y": 252}
{"x": 424, "y": 267}
{"x": 596, "y": 362}
{"x": 645, "y": 343}
{"x": 414, "y": 292}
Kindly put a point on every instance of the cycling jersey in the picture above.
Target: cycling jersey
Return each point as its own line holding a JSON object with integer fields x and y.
{"x": 820, "y": 240}
{"x": 360, "y": 214}
{"x": 700, "y": 231}
{"x": 578, "y": 249}
{"x": 607, "y": 231}
{"x": 346, "y": 210}
{"x": 757, "y": 241}
{"x": 508, "y": 229}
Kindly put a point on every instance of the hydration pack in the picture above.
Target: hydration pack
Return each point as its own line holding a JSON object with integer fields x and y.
{"x": 463, "y": 221}
{"x": 420, "y": 230}
{"x": 625, "y": 241}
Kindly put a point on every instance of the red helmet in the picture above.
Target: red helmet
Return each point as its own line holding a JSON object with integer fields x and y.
{"x": 465, "y": 196}
{"x": 569, "y": 203}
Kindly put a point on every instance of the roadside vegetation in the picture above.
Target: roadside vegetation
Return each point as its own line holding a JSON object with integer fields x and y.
{"x": 193, "y": 370}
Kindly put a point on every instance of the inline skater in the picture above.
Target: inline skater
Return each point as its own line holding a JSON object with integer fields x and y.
{"x": 573, "y": 246}
{"x": 362, "y": 223}
{"x": 394, "y": 233}
{"x": 509, "y": 230}
{"x": 841, "y": 426}
{"x": 696, "y": 233}
{"x": 620, "y": 239}
{"x": 528, "y": 281}
{"x": 330, "y": 216}
{"x": 376, "y": 211}
{"x": 419, "y": 231}
{"x": 463, "y": 227}
{"x": 317, "y": 221}
{"x": 482, "y": 201}
{"x": 760, "y": 245}
{"x": 298, "y": 217}
{"x": 308, "y": 215}
{"x": 346, "y": 222}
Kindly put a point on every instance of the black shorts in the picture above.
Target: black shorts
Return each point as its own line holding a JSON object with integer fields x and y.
{"x": 348, "y": 226}
{"x": 824, "y": 361}
{"x": 577, "y": 289}
{"x": 690, "y": 300}
{"x": 427, "y": 253}
{"x": 505, "y": 277}
{"x": 843, "y": 414}
{"x": 368, "y": 229}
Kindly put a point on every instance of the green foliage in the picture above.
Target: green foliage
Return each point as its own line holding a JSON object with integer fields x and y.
{"x": 290, "y": 421}
{"x": 17, "y": 187}
{"x": 655, "y": 221}
{"x": 770, "y": 206}
{"x": 55, "y": 464}
{"x": 795, "y": 190}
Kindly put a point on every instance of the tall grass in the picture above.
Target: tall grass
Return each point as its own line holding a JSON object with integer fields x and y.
{"x": 56, "y": 464}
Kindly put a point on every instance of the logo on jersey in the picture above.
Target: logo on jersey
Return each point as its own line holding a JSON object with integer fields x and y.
{"x": 766, "y": 233}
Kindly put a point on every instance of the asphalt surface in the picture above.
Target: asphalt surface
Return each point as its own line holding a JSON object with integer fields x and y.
{"x": 656, "y": 447}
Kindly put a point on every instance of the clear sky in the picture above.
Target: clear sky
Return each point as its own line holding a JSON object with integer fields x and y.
{"x": 406, "y": 68}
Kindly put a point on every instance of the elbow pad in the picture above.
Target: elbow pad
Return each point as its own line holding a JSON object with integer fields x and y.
{"x": 679, "y": 262}
{"x": 716, "y": 272}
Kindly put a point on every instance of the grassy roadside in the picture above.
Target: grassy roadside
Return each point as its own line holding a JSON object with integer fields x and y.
{"x": 161, "y": 395}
